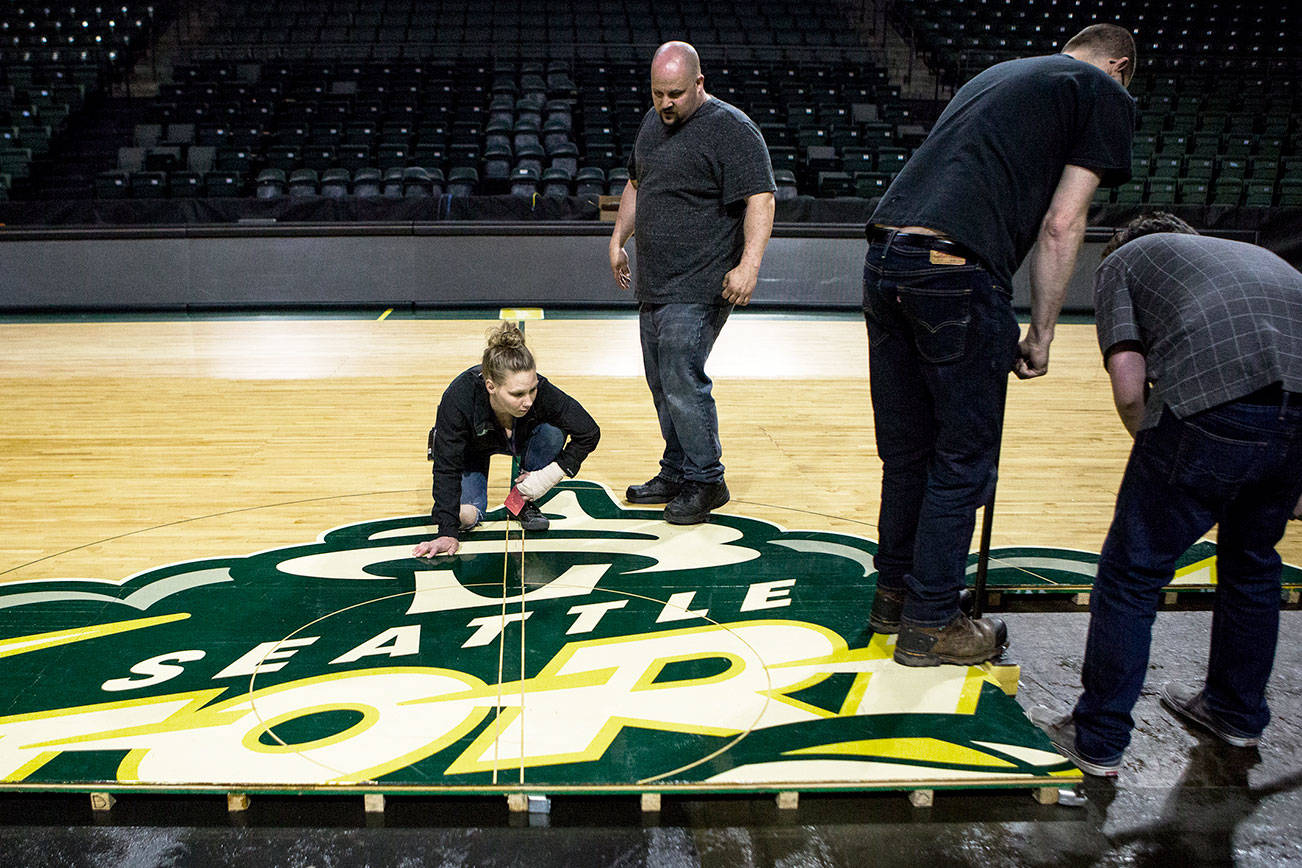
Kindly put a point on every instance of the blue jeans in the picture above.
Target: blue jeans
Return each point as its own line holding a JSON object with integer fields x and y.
{"x": 541, "y": 449}
{"x": 676, "y": 341}
{"x": 1238, "y": 466}
{"x": 941, "y": 342}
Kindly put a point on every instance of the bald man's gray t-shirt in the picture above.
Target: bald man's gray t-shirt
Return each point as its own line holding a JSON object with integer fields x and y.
{"x": 693, "y": 180}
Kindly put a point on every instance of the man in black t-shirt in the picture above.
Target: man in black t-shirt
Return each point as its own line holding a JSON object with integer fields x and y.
{"x": 1009, "y": 168}
{"x": 700, "y": 197}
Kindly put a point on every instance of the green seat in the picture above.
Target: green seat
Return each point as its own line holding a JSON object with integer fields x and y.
{"x": 1131, "y": 193}
{"x": 1164, "y": 166}
{"x": 1259, "y": 194}
{"x": 1192, "y": 191}
{"x": 1290, "y": 192}
{"x": 1227, "y": 191}
{"x": 1161, "y": 192}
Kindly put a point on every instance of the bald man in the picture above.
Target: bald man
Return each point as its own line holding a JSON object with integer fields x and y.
{"x": 700, "y": 205}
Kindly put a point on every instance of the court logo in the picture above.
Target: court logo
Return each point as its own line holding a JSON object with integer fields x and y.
{"x": 613, "y": 650}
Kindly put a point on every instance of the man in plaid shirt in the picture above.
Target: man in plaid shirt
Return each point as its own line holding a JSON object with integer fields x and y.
{"x": 1202, "y": 340}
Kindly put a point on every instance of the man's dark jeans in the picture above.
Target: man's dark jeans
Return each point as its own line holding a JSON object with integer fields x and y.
{"x": 941, "y": 342}
{"x": 1238, "y": 466}
{"x": 676, "y": 341}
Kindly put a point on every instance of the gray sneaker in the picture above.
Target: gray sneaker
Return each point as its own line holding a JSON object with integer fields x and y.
{"x": 1061, "y": 730}
{"x": 1186, "y": 704}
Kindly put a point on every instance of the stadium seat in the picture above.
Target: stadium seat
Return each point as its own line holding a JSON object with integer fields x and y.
{"x": 391, "y": 155}
{"x": 148, "y": 185}
{"x": 1259, "y": 194}
{"x": 590, "y": 182}
{"x": 283, "y": 157}
{"x": 1164, "y": 166}
{"x": 1131, "y": 193}
{"x": 367, "y": 182}
{"x": 270, "y": 184}
{"x": 891, "y": 160}
{"x": 1192, "y": 191}
{"x": 462, "y": 181}
{"x": 564, "y": 156}
{"x": 303, "y": 182}
{"x": 1160, "y": 192}
{"x": 392, "y": 182}
{"x": 131, "y": 159}
{"x": 1290, "y": 192}
{"x": 184, "y": 185}
{"x": 113, "y": 184}
{"x": 1227, "y": 191}
{"x": 856, "y": 161}
{"x": 783, "y": 157}
{"x": 417, "y": 183}
{"x": 222, "y": 184}
{"x": 833, "y": 185}
{"x": 786, "y": 184}
{"x": 524, "y": 181}
{"x": 615, "y": 180}
{"x": 529, "y": 156}
{"x": 556, "y": 182}
{"x": 822, "y": 158}
{"x": 335, "y": 182}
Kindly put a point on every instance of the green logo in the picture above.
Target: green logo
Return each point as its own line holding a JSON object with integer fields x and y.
{"x": 614, "y": 650}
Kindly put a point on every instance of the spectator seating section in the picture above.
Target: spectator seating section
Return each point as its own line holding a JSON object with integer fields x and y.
{"x": 417, "y": 98}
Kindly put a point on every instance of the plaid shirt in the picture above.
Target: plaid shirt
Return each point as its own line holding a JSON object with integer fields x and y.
{"x": 1216, "y": 320}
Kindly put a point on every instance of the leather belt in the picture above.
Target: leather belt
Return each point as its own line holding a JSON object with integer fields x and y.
{"x": 917, "y": 239}
{"x": 1272, "y": 396}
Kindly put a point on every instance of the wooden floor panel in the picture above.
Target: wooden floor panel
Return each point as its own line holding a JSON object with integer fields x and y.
{"x": 243, "y": 496}
{"x": 122, "y": 441}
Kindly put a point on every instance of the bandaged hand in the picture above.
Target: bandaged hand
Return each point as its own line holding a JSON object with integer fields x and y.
{"x": 536, "y": 483}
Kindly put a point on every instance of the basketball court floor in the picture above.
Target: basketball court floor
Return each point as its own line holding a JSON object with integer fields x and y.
{"x": 206, "y": 589}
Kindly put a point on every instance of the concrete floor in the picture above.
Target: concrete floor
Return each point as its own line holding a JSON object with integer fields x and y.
{"x": 1181, "y": 799}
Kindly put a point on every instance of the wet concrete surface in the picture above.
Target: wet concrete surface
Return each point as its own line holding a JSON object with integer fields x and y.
{"x": 1181, "y": 799}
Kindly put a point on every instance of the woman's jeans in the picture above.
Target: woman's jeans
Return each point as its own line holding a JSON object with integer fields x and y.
{"x": 541, "y": 449}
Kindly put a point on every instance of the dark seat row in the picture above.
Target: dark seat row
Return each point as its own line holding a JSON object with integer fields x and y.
{"x": 338, "y": 182}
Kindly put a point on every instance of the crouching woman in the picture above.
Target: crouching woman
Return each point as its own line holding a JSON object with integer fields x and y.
{"x": 502, "y": 407}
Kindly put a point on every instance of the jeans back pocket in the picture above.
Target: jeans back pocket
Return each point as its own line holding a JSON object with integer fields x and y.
{"x": 939, "y": 317}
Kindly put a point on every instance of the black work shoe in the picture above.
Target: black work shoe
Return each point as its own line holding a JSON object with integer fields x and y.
{"x": 531, "y": 518}
{"x": 694, "y": 502}
{"x": 888, "y": 603}
{"x": 1061, "y": 730}
{"x": 1186, "y": 704}
{"x": 888, "y": 606}
{"x": 963, "y": 641}
{"x": 656, "y": 490}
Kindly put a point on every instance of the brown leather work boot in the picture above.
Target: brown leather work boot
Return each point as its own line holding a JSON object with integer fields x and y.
{"x": 888, "y": 603}
{"x": 964, "y": 641}
{"x": 888, "y": 608}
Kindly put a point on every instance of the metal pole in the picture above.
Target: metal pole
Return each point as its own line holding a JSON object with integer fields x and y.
{"x": 983, "y": 553}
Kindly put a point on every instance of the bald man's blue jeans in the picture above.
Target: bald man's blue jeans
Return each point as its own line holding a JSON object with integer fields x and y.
{"x": 941, "y": 343}
{"x": 676, "y": 342}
